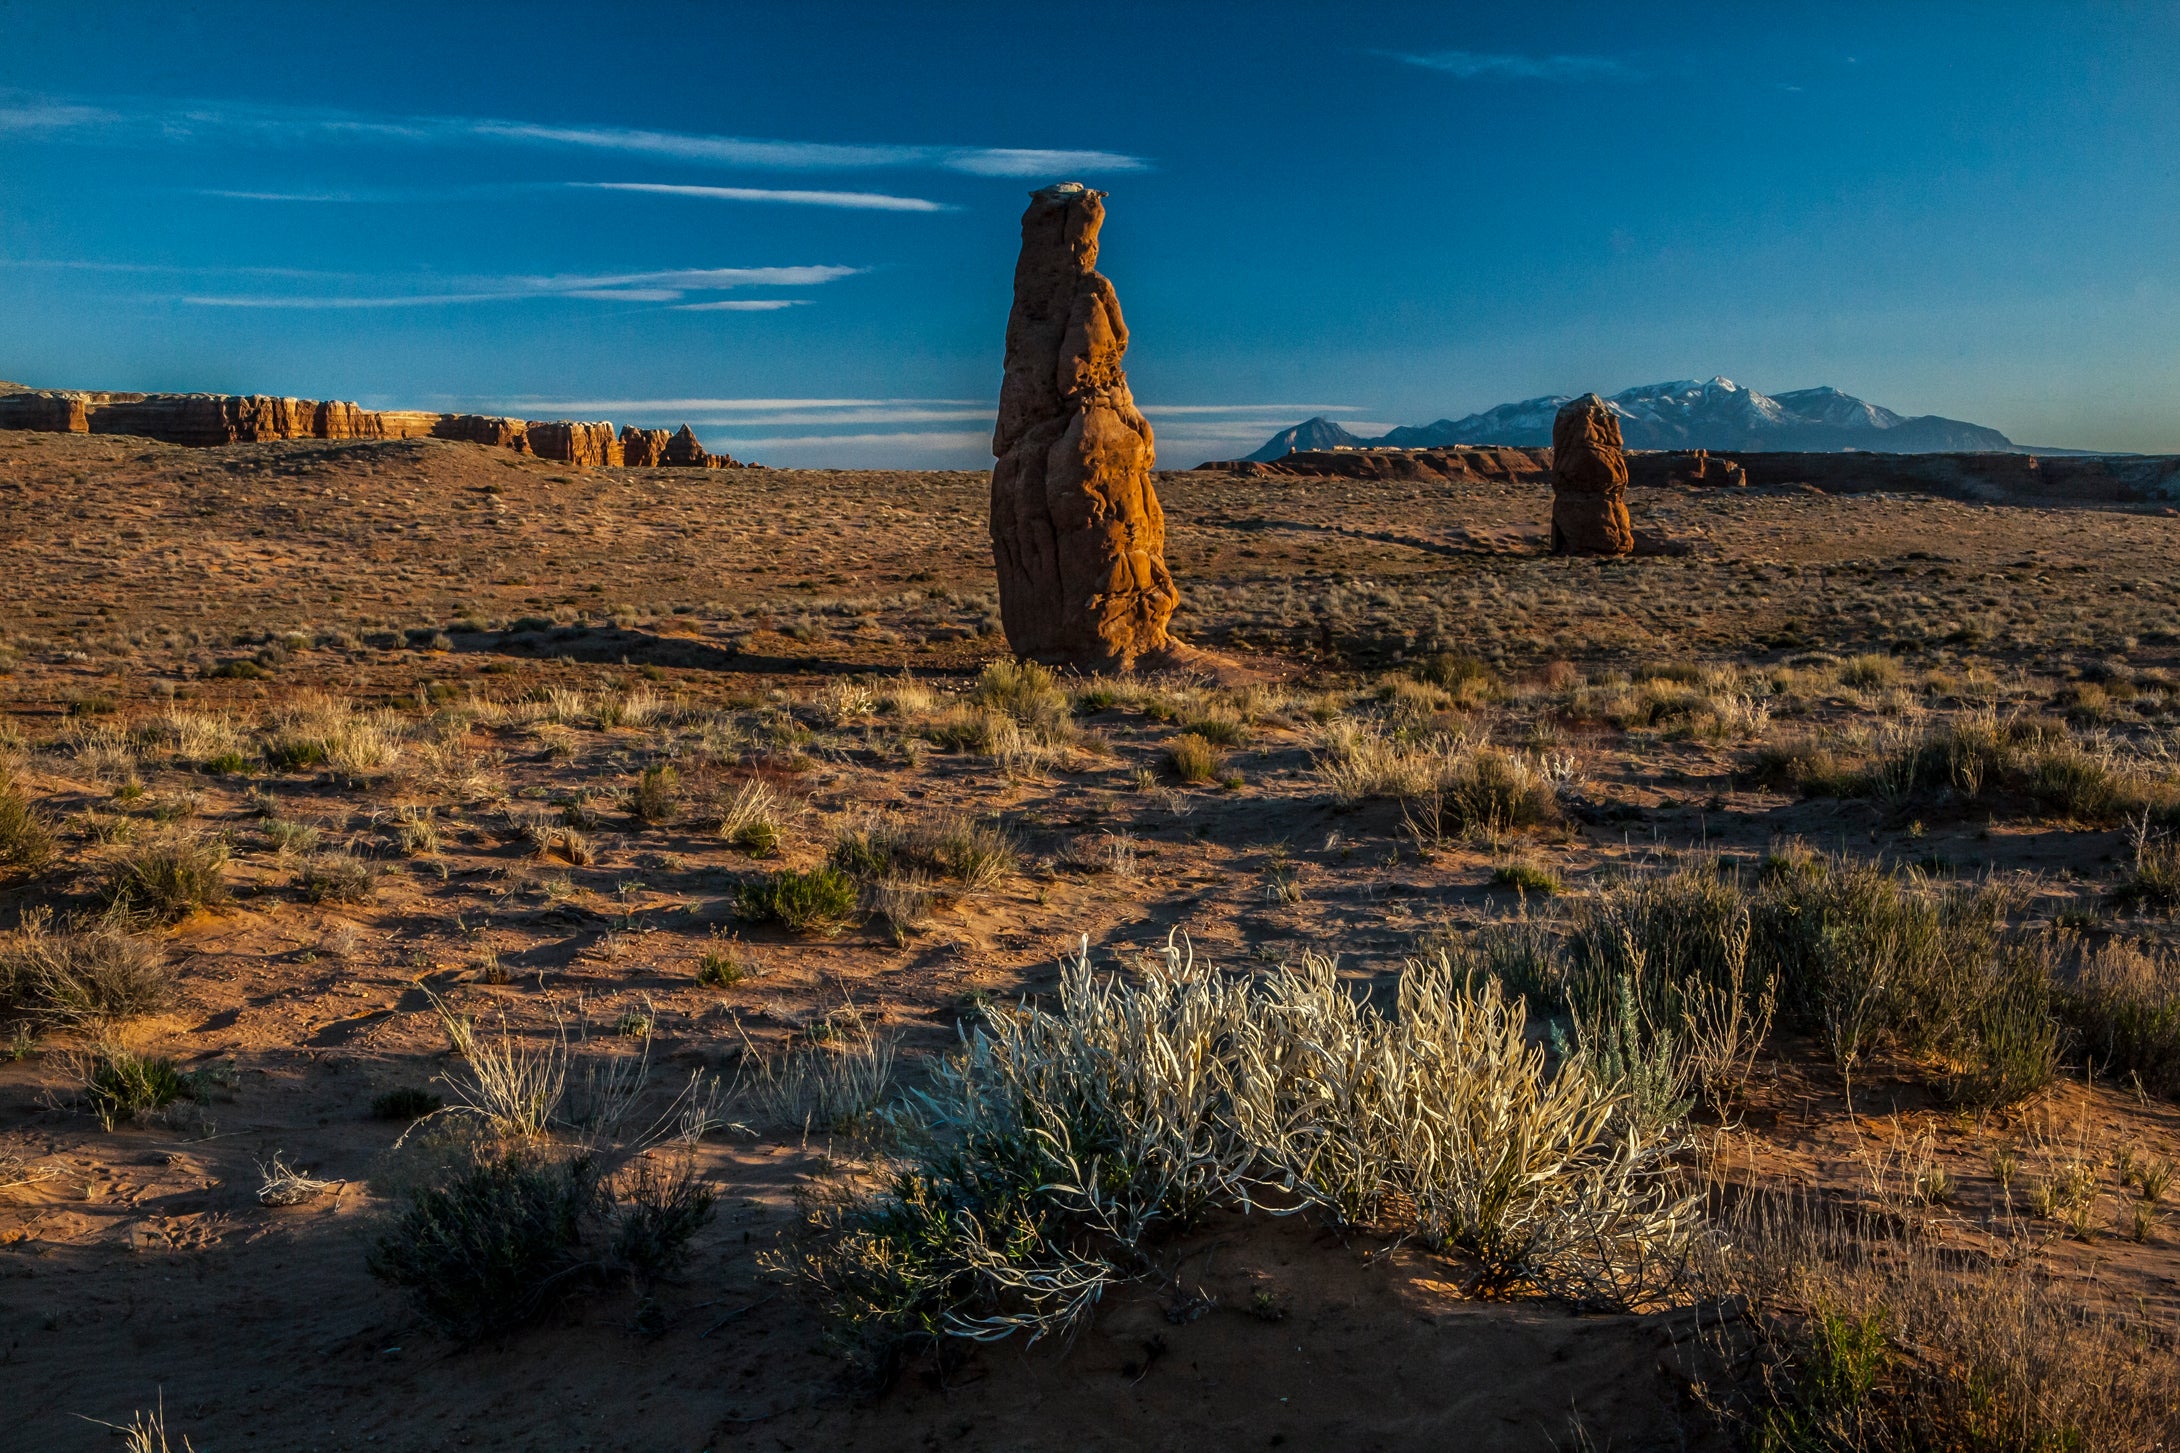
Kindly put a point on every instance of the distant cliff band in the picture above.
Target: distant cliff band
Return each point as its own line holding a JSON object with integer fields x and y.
{"x": 203, "y": 420}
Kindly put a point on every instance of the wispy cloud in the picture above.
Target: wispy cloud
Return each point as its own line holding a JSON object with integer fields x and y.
{"x": 981, "y": 440}
{"x": 402, "y": 300}
{"x": 731, "y": 406}
{"x": 21, "y": 113}
{"x": 670, "y": 286}
{"x": 741, "y": 305}
{"x": 857, "y": 201}
{"x": 700, "y": 278}
{"x": 1160, "y": 410}
{"x": 286, "y": 196}
{"x": 1473, "y": 65}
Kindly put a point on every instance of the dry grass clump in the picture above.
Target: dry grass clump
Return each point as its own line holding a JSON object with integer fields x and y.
{"x": 1023, "y": 690}
{"x": 26, "y": 843}
{"x": 754, "y": 818}
{"x": 318, "y": 730}
{"x": 1017, "y": 715}
{"x": 1853, "y": 1334}
{"x": 836, "y": 1086}
{"x": 1448, "y": 783}
{"x": 147, "y": 1432}
{"x": 448, "y": 768}
{"x": 1674, "y": 979}
{"x": 506, "y": 1083}
{"x": 337, "y": 878}
{"x": 907, "y": 870}
{"x": 83, "y": 977}
{"x": 2121, "y": 1005}
{"x": 1979, "y": 756}
{"x": 163, "y": 882}
{"x": 2153, "y": 878}
{"x": 1193, "y": 758}
{"x": 969, "y": 852}
{"x": 1060, "y": 1141}
{"x": 213, "y": 740}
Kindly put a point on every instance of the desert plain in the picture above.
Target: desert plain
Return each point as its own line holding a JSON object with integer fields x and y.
{"x": 377, "y": 760}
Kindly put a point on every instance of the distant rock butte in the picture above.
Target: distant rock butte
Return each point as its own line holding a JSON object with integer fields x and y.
{"x": 205, "y": 420}
{"x": 1077, "y": 534}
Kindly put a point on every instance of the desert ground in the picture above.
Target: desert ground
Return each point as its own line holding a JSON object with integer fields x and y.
{"x": 368, "y": 767}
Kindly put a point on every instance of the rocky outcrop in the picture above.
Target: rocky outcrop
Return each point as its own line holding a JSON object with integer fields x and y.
{"x": 47, "y": 413}
{"x": 1694, "y": 467}
{"x": 1453, "y": 466}
{"x": 205, "y": 420}
{"x": 1589, "y": 481}
{"x": 2073, "y": 478}
{"x": 1077, "y": 533}
{"x": 584, "y": 445}
{"x": 684, "y": 452}
{"x": 643, "y": 448}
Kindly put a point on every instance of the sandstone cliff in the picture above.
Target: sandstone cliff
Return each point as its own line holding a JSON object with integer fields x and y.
{"x": 205, "y": 420}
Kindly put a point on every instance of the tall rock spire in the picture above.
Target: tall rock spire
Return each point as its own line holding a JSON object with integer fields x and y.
{"x": 1077, "y": 533}
{"x": 1589, "y": 481}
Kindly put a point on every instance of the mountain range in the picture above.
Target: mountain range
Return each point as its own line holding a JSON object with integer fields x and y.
{"x": 1717, "y": 414}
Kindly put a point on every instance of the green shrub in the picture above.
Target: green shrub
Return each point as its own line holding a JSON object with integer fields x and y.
{"x": 718, "y": 969}
{"x": 1861, "y": 957}
{"x": 405, "y": 1103}
{"x": 1526, "y": 877}
{"x": 657, "y": 795}
{"x": 120, "y": 1086}
{"x": 1861, "y": 954}
{"x": 164, "y": 882}
{"x": 496, "y": 1246}
{"x": 662, "y": 1204}
{"x": 492, "y": 1246}
{"x": 821, "y": 901}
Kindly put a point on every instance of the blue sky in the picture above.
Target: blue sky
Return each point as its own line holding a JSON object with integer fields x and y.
{"x": 794, "y": 225}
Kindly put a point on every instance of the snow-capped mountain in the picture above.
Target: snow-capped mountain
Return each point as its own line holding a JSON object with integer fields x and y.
{"x": 1685, "y": 414}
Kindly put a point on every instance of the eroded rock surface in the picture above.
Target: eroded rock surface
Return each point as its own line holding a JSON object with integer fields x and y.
{"x": 1077, "y": 533}
{"x": 1589, "y": 481}
{"x": 207, "y": 420}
